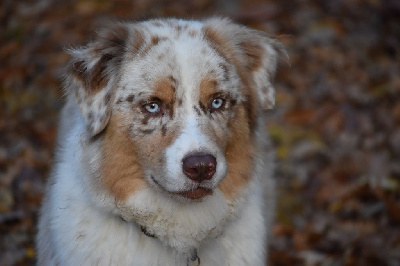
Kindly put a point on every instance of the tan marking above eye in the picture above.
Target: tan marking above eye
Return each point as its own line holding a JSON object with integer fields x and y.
{"x": 209, "y": 93}
{"x": 208, "y": 87}
{"x": 162, "y": 98}
{"x": 165, "y": 89}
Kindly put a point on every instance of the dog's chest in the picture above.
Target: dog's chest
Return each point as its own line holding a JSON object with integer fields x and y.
{"x": 122, "y": 243}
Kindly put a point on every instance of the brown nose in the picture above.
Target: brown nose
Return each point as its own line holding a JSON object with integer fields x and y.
{"x": 199, "y": 166}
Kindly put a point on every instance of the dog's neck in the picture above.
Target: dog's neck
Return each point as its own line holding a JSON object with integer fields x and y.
{"x": 193, "y": 258}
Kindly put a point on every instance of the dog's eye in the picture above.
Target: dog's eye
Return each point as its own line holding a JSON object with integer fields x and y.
{"x": 152, "y": 107}
{"x": 217, "y": 103}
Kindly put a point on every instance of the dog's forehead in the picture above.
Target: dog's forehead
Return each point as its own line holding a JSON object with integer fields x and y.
{"x": 175, "y": 49}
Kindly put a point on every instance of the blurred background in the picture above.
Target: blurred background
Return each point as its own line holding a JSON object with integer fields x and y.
{"x": 336, "y": 126}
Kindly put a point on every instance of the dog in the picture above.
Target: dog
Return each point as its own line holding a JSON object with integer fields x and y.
{"x": 163, "y": 156}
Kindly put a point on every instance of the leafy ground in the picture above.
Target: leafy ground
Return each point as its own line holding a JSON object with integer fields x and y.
{"x": 336, "y": 126}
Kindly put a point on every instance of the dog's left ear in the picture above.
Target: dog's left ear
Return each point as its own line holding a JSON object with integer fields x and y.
{"x": 251, "y": 51}
{"x": 91, "y": 75}
{"x": 261, "y": 56}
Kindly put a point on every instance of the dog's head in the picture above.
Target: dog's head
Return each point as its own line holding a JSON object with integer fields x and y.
{"x": 174, "y": 104}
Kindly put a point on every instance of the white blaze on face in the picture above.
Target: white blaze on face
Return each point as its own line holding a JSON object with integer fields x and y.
{"x": 193, "y": 68}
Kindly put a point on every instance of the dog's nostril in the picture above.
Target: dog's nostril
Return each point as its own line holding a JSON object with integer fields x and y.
{"x": 199, "y": 167}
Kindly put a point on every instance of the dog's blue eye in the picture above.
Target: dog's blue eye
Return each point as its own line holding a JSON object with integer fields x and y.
{"x": 152, "y": 107}
{"x": 217, "y": 103}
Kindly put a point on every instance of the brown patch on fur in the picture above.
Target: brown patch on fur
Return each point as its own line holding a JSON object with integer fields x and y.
{"x": 155, "y": 40}
{"x": 208, "y": 87}
{"x": 93, "y": 80}
{"x": 165, "y": 90}
{"x": 97, "y": 78}
{"x": 254, "y": 54}
{"x": 122, "y": 174}
{"x": 130, "y": 98}
{"x": 249, "y": 106}
{"x": 239, "y": 156}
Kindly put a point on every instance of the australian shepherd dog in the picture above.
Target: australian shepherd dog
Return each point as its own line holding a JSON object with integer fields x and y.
{"x": 163, "y": 156}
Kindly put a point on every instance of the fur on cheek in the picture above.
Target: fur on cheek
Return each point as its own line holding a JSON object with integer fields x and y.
{"x": 121, "y": 172}
{"x": 239, "y": 154}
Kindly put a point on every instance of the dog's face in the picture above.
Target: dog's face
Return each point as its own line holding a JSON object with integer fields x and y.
{"x": 174, "y": 104}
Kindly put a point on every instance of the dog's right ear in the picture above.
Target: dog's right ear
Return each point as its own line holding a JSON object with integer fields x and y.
{"x": 91, "y": 75}
{"x": 250, "y": 50}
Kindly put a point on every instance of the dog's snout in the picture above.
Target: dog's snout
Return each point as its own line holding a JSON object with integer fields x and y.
{"x": 199, "y": 167}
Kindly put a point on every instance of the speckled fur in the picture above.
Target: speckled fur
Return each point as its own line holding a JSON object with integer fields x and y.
{"x": 119, "y": 169}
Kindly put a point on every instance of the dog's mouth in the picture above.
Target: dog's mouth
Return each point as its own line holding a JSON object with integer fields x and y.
{"x": 193, "y": 194}
{"x": 196, "y": 193}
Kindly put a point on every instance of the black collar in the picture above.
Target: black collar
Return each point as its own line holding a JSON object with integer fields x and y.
{"x": 146, "y": 233}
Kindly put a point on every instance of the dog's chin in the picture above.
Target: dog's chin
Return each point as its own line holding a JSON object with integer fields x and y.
{"x": 191, "y": 194}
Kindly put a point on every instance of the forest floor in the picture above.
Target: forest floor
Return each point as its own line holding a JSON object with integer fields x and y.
{"x": 336, "y": 125}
